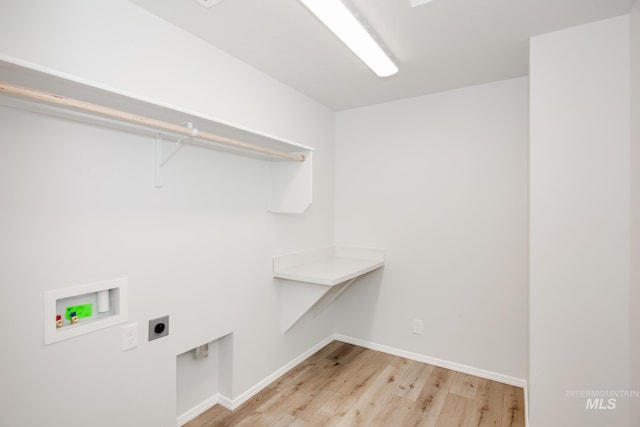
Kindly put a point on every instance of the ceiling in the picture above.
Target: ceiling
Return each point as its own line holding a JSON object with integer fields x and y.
{"x": 439, "y": 45}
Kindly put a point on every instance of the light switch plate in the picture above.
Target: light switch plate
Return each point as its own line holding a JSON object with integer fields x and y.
{"x": 129, "y": 336}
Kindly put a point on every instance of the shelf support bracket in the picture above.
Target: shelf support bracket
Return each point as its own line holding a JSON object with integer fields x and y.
{"x": 315, "y": 278}
{"x": 158, "y": 154}
{"x": 330, "y": 296}
{"x": 311, "y": 298}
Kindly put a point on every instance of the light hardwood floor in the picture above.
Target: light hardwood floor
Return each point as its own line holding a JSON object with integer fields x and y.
{"x": 346, "y": 385}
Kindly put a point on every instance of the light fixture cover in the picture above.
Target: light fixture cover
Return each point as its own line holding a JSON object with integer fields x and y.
{"x": 416, "y": 3}
{"x": 208, "y": 3}
{"x": 335, "y": 15}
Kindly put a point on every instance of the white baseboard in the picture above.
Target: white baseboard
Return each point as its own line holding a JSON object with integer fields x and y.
{"x": 225, "y": 402}
{"x": 232, "y": 404}
{"x": 277, "y": 374}
{"x": 489, "y": 375}
{"x": 197, "y": 410}
{"x": 494, "y": 376}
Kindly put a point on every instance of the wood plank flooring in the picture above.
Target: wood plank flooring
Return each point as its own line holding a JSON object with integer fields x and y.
{"x": 345, "y": 385}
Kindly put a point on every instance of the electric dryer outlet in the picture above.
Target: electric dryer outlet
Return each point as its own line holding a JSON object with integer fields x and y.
{"x": 158, "y": 328}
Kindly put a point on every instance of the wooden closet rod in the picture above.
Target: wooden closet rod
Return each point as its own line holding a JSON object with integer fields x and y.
{"x": 51, "y": 98}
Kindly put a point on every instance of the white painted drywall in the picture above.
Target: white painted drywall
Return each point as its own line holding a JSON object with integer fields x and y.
{"x": 121, "y": 45}
{"x": 441, "y": 183}
{"x": 634, "y": 307}
{"x": 78, "y": 205}
{"x": 580, "y": 223}
{"x": 196, "y": 379}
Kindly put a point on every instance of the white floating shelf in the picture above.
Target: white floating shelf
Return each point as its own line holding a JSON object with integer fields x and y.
{"x": 291, "y": 180}
{"x": 319, "y": 276}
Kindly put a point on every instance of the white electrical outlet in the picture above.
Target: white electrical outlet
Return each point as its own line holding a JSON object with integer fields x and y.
{"x": 129, "y": 336}
{"x": 417, "y": 326}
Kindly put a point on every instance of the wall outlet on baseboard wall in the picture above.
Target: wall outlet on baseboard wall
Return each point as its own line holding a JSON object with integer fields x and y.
{"x": 417, "y": 326}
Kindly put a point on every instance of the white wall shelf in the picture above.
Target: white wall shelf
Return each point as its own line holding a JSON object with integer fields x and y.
{"x": 291, "y": 180}
{"x": 316, "y": 277}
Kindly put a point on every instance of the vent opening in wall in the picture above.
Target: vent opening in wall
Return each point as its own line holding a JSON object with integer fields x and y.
{"x": 208, "y": 3}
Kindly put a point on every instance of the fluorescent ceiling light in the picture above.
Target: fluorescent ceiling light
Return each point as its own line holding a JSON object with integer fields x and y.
{"x": 208, "y": 3}
{"x": 416, "y": 3}
{"x": 335, "y": 15}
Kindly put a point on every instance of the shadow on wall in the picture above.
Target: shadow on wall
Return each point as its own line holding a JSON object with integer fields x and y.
{"x": 357, "y": 307}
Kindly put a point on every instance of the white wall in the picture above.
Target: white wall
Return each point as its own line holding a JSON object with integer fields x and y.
{"x": 197, "y": 380}
{"x": 580, "y": 222}
{"x": 634, "y": 307}
{"x": 78, "y": 206}
{"x": 440, "y": 182}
